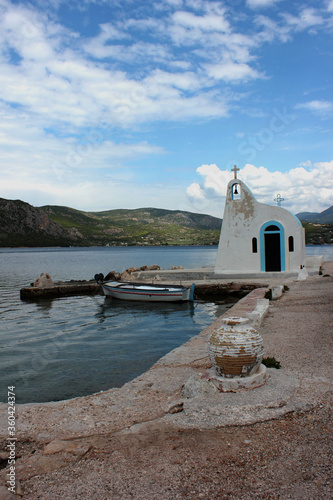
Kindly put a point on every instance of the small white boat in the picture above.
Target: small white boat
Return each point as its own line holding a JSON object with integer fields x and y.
{"x": 148, "y": 292}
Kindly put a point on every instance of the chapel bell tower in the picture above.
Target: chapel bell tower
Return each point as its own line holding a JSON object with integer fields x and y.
{"x": 257, "y": 238}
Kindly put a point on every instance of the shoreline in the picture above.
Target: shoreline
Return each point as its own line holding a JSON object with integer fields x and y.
{"x": 145, "y": 246}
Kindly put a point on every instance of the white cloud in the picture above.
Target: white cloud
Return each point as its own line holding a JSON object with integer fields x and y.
{"x": 54, "y": 82}
{"x": 214, "y": 179}
{"x": 306, "y": 163}
{"x": 231, "y": 71}
{"x": 321, "y": 108}
{"x": 296, "y": 186}
{"x": 35, "y": 156}
{"x": 195, "y": 191}
{"x": 183, "y": 80}
{"x": 286, "y": 24}
{"x": 57, "y": 85}
{"x": 257, "y": 4}
{"x": 92, "y": 195}
{"x": 271, "y": 30}
{"x": 208, "y": 22}
{"x": 307, "y": 18}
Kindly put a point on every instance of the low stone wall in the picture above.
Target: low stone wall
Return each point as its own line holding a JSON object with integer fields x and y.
{"x": 224, "y": 291}
{"x": 212, "y": 291}
{"x": 63, "y": 290}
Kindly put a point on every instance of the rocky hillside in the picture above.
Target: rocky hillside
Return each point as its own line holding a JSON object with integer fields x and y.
{"x": 22, "y": 224}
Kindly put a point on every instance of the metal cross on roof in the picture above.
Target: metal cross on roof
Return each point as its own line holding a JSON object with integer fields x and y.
{"x": 235, "y": 170}
{"x": 278, "y": 199}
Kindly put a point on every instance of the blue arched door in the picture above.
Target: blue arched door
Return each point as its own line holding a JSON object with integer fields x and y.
{"x": 272, "y": 247}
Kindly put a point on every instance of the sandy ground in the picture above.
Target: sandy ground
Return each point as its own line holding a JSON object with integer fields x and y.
{"x": 196, "y": 453}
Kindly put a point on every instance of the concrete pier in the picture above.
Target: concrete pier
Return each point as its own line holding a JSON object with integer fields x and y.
{"x": 60, "y": 290}
{"x": 208, "y": 285}
{"x": 205, "y": 289}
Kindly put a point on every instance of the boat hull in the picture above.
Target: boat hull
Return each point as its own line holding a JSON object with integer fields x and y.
{"x": 148, "y": 293}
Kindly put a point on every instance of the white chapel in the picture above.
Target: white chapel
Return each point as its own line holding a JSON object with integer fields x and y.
{"x": 257, "y": 239}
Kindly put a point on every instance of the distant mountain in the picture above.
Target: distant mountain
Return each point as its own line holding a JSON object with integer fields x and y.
{"x": 325, "y": 217}
{"x": 22, "y": 224}
{"x": 318, "y": 226}
{"x": 142, "y": 226}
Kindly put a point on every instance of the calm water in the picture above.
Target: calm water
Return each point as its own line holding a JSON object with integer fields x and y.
{"x": 58, "y": 349}
{"x": 73, "y": 346}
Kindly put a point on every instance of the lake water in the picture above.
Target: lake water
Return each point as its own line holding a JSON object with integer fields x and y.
{"x": 74, "y": 346}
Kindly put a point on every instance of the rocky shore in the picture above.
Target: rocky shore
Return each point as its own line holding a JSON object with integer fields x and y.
{"x": 148, "y": 440}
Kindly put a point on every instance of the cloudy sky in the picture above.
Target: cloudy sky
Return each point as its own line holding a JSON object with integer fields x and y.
{"x": 128, "y": 103}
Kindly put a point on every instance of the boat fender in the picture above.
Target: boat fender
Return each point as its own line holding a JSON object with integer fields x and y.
{"x": 192, "y": 293}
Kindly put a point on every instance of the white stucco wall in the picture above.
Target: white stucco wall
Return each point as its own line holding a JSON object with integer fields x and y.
{"x": 243, "y": 220}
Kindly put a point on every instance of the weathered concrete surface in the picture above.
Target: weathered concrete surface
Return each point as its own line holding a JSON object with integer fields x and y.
{"x": 234, "y": 384}
{"x": 60, "y": 290}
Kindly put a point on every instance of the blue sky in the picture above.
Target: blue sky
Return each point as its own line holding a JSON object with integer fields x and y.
{"x": 125, "y": 104}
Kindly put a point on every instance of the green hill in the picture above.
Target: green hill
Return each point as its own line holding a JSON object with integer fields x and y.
{"x": 22, "y": 224}
{"x": 143, "y": 226}
{"x": 318, "y": 226}
{"x": 325, "y": 217}
{"x": 318, "y": 234}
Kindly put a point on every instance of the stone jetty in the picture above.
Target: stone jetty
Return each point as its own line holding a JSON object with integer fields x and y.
{"x": 207, "y": 287}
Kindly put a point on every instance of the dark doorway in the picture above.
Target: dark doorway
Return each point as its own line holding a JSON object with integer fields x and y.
{"x": 272, "y": 251}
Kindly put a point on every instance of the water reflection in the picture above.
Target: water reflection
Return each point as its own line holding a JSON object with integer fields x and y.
{"x": 44, "y": 305}
{"x": 112, "y": 307}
